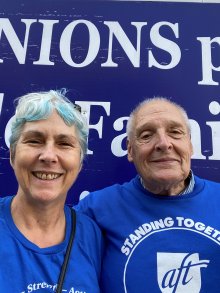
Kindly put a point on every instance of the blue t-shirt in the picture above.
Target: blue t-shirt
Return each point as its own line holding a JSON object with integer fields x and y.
{"x": 168, "y": 244}
{"x": 27, "y": 268}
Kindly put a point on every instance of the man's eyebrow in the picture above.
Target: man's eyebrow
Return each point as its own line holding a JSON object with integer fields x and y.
{"x": 149, "y": 125}
{"x": 176, "y": 124}
{"x": 145, "y": 125}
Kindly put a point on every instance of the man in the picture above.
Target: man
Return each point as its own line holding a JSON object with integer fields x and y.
{"x": 162, "y": 227}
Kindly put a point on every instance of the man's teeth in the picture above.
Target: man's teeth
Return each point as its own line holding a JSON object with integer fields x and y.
{"x": 45, "y": 176}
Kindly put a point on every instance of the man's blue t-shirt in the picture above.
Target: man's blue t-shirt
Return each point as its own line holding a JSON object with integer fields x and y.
{"x": 157, "y": 243}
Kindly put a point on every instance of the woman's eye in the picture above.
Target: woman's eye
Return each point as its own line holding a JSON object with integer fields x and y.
{"x": 33, "y": 141}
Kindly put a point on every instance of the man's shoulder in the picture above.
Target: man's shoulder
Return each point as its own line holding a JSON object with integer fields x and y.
{"x": 213, "y": 184}
{"x": 84, "y": 220}
{"x": 104, "y": 199}
{"x": 206, "y": 183}
{"x": 87, "y": 225}
{"x": 112, "y": 190}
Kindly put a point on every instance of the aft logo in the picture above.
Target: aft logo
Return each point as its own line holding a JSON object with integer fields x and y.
{"x": 179, "y": 272}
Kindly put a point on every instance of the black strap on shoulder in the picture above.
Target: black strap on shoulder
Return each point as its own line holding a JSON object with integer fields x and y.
{"x": 68, "y": 251}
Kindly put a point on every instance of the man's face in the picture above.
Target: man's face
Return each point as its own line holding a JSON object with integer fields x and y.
{"x": 160, "y": 147}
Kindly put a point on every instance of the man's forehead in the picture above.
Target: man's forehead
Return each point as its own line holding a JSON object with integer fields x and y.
{"x": 159, "y": 111}
{"x": 159, "y": 108}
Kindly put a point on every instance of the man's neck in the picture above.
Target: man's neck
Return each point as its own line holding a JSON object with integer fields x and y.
{"x": 186, "y": 187}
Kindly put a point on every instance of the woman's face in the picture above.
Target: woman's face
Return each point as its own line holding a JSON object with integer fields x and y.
{"x": 47, "y": 159}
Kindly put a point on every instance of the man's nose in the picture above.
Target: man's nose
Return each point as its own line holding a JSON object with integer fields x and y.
{"x": 163, "y": 142}
{"x": 48, "y": 154}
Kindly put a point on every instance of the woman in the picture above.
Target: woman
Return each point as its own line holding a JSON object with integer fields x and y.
{"x": 47, "y": 145}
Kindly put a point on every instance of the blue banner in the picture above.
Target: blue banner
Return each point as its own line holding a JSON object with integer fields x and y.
{"x": 110, "y": 56}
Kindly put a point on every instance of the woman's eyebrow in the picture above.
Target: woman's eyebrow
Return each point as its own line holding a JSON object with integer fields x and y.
{"x": 32, "y": 133}
{"x": 66, "y": 136}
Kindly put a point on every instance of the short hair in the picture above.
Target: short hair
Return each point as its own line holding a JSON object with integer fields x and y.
{"x": 131, "y": 120}
{"x": 40, "y": 105}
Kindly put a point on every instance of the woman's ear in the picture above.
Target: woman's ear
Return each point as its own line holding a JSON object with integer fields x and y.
{"x": 129, "y": 149}
{"x": 11, "y": 158}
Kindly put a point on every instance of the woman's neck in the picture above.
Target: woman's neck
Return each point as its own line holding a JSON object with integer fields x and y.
{"x": 44, "y": 225}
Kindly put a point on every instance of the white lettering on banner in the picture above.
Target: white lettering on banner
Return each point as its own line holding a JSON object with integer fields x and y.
{"x": 86, "y": 109}
{"x": 65, "y": 43}
{"x": 120, "y": 125}
{"x": 116, "y": 145}
{"x": 215, "y": 127}
{"x": 19, "y": 50}
{"x": 8, "y": 131}
{"x": 214, "y": 108}
{"x": 1, "y": 101}
{"x": 115, "y": 30}
{"x": 196, "y": 140}
{"x": 165, "y": 44}
{"x": 46, "y": 42}
{"x": 207, "y": 65}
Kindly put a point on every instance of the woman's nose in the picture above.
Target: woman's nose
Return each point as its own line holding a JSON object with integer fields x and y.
{"x": 48, "y": 154}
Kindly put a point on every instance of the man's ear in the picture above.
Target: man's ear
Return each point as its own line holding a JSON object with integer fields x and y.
{"x": 191, "y": 146}
{"x": 130, "y": 151}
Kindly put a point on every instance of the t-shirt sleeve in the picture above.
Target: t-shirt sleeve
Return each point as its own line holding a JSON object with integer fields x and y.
{"x": 86, "y": 206}
{"x": 91, "y": 239}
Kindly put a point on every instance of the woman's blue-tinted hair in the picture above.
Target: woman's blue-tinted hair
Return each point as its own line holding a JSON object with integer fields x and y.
{"x": 38, "y": 106}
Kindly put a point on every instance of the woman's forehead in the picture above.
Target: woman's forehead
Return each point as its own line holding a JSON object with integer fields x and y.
{"x": 54, "y": 124}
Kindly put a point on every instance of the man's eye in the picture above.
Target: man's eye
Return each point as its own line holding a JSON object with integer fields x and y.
{"x": 176, "y": 133}
{"x": 145, "y": 136}
{"x": 65, "y": 144}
